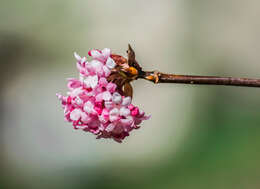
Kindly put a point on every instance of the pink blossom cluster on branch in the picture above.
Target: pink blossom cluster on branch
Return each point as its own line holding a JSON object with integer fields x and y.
{"x": 95, "y": 104}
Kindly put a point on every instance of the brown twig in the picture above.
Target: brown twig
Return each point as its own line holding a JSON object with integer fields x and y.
{"x": 135, "y": 72}
{"x": 158, "y": 77}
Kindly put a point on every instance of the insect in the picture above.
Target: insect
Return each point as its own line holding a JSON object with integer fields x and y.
{"x": 126, "y": 70}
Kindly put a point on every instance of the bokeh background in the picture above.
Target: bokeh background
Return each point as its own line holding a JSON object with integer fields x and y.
{"x": 198, "y": 136}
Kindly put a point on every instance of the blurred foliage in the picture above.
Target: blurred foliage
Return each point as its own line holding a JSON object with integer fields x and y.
{"x": 198, "y": 137}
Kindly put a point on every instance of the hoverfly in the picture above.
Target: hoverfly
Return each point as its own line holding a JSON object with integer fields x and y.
{"x": 126, "y": 70}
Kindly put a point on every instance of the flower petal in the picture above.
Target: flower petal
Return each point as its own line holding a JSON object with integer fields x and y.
{"x": 114, "y": 114}
{"x": 75, "y": 92}
{"x": 126, "y": 101}
{"x": 97, "y": 66}
{"x": 110, "y": 63}
{"x": 75, "y": 114}
{"x": 106, "y": 71}
{"x": 94, "y": 81}
{"x": 78, "y": 101}
{"x": 91, "y": 81}
{"x": 116, "y": 98}
{"x": 107, "y": 96}
{"x": 85, "y": 118}
{"x": 111, "y": 87}
{"x": 124, "y": 111}
{"x": 73, "y": 83}
{"x": 110, "y": 127}
{"x": 102, "y": 82}
{"x": 128, "y": 121}
{"x": 99, "y": 97}
{"x": 104, "y": 116}
{"x": 78, "y": 58}
{"x": 89, "y": 107}
{"x": 108, "y": 104}
{"x": 95, "y": 54}
{"x": 106, "y": 52}
{"x": 83, "y": 60}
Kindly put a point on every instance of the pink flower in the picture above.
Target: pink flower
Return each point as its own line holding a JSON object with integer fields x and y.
{"x": 94, "y": 104}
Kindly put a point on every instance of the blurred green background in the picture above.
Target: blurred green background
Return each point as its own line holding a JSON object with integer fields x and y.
{"x": 198, "y": 136}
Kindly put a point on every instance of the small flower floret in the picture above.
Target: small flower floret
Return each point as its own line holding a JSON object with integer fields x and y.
{"x": 93, "y": 104}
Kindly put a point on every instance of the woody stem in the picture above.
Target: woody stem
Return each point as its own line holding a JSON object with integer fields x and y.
{"x": 158, "y": 77}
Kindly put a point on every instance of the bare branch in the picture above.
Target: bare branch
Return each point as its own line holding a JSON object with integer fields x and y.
{"x": 158, "y": 77}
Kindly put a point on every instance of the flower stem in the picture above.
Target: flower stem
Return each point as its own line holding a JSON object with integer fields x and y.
{"x": 158, "y": 77}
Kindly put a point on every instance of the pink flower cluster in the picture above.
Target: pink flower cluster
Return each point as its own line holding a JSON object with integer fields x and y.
{"x": 95, "y": 105}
